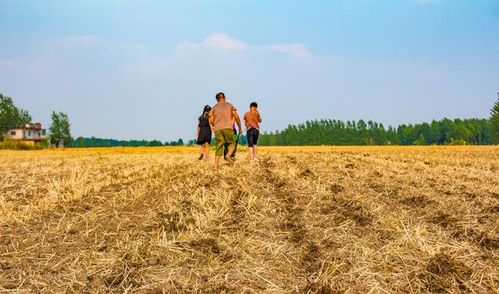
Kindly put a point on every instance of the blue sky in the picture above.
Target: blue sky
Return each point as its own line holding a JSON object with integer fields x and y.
{"x": 145, "y": 69}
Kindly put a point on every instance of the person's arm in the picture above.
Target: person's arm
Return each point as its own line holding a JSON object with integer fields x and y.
{"x": 259, "y": 118}
{"x": 237, "y": 119}
{"x": 246, "y": 122}
{"x": 211, "y": 120}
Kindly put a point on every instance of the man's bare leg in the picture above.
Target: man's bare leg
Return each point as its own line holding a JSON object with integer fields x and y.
{"x": 255, "y": 147}
{"x": 229, "y": 153}
{"x": 250, "y": 150}
{"x": 217, "y": 161}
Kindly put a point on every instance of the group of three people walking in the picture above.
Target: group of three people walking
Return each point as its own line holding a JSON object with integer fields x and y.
{"x": 222, "y": 119}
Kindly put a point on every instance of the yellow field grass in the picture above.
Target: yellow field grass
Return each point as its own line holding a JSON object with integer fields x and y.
{"x": 301, "y": 220}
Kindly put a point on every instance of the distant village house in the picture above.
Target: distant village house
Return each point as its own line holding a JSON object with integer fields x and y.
{"x": 30, "y": 134}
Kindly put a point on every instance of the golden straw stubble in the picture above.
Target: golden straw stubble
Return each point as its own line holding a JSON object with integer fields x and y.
{"x": 302, "y": 219}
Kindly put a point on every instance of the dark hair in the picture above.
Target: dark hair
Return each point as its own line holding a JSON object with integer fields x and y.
{"x": 206, "y": 109}
{"x": 219, "y": 94}
{"x": 254, "y": 104}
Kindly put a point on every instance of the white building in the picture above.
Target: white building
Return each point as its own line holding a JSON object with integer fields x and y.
{"x": 31, "y": 134}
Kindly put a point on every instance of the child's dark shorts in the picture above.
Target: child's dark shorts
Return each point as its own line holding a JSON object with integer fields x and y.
{"x": 252, "y": 135}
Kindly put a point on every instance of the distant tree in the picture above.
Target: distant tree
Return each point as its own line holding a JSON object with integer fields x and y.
{"x": 446, "y": 127}
{"x": 363, "y": 133}
{"x": 438, "y": 132}
{"x": 10, "y": 115}
{"x": 60, "y": 129}
{"x": 421, "y": 140}
{"x": 180, "y": 142}
{"x": 155, "y": 143}
{"x": 243, "y": 140}
{"x": 392, "y": 136}
{"x": 427, "y": 132}
{"x": 263, "y": 140}
{"x": 494, "y": 122}
{"x": 380, "y": 135}
{"x": 81, "y": 142}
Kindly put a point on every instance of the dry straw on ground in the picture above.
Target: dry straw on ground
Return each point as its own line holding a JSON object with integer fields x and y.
{"x": 307, "y": 220}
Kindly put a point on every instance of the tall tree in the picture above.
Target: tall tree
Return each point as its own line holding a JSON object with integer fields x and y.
{"x": 60, "y": 129}
{"x": 10, "y": 115}
{"x": 494, "y": 122}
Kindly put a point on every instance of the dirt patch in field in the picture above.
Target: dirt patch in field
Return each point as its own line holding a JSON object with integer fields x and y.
{"x": 492, "y": 210}
{"x": 237, "y": 210}
{"x": 307, "y": 173}
{"x": 443, "y": 272}
{"x": 311, "y": 259}
{"x": 336, "y": 188}
{"x": 318, "y": 288}
{"x": 416, "y": 201}
{"x": 443, "y": 219}
{"x": 294, "y": 226}
{"x": 206, "y": 246}
{"x": 350, "y": 210}
{"x": 169, "y": 222}
{"x": 477, "y": 237}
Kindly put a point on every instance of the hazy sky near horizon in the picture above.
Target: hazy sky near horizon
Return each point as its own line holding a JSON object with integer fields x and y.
{"x": 145, "y": 69}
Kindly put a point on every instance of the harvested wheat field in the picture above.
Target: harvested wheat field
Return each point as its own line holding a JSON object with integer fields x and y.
{"x": 301, "y": 220}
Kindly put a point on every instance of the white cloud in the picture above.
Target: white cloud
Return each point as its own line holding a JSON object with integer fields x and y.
{"x": 215, "y": 41}
{"x": 6, "y": 63}
{"x": 295, "y": 50}
{"x": 222, "y": 41}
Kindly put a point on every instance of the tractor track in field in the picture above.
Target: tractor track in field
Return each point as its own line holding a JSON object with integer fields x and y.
{"x": 293, "y": 228}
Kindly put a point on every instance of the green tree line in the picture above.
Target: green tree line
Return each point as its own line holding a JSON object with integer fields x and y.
{"x": 82, "y": 142}
{"x": 337, "y": 132}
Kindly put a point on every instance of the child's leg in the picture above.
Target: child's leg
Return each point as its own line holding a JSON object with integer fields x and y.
{"x": 255, "y": 143}
{"x": 251, "y": 143}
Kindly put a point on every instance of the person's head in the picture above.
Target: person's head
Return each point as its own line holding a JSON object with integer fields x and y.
{"x": 220, "y": 97}
{"x": 253, "y": 106}
{"x": 206, "y": 109}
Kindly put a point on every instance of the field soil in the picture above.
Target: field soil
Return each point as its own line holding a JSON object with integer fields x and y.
{"x": 300, "y": 220}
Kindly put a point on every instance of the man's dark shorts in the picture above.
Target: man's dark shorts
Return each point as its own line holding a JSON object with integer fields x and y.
{"x": 252, "y": 135}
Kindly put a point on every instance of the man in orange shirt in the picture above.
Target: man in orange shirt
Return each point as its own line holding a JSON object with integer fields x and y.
{"x": 252, "y": 120}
